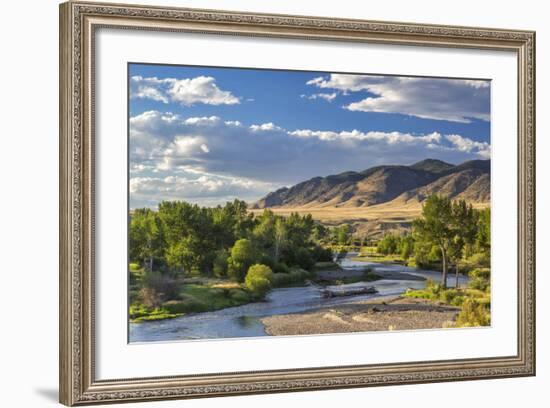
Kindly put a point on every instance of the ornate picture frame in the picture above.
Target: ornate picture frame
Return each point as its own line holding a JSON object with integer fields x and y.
{"x": 78, "y": 24}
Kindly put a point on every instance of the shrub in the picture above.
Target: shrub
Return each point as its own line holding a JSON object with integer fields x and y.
{"x": 150, "y": 297}
{"x": 281, "y": 279}
{"x": 239, "y": 296}
{"x": 322, "y": 254}
{"x": 480, "y": 279}
{"x": 242, "y": 256}
{"x": 479, "y": 284}
{"x": 259, "y": 279}
{"x": 157, "y": 289}
{"x": 134, "y": 267}
{"x": 281, "y": 267}
{"x": 189, "y": 305}
{"x": 267, "y": 261}
{"x": 304, "y": 258}
{"x": 164, "y": 286}
{"x": 447, "y": 296}
{"x": 482, "y": 273}
{"x": 220, "y": 263}
{"x": 473, "y": 314}
{"x": 482, "y": 259}
{"x": 298, "y": 275}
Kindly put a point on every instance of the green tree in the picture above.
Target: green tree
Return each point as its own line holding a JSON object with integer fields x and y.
{"x": 243, "y": 255}
{"x": 280, "y": 238}
{"x": 146, "y": 238}
{"x": 186, "y": 255}
{"x": 387, "y": 245}
{"x": 464, "y": 229}
{"x": 220, "y": 263}
{"x": 436, "y": 228}
{"x": 407, "y": 246}
{"x": 343, "y": 234}
{"x": 483, "y": 236}
{"x": 264, "y": 231}
{"x": 259, "y": 279}
{"x": 304, "y": 259}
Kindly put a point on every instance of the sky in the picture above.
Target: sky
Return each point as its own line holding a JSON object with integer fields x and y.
{"x": 208, "y": 135}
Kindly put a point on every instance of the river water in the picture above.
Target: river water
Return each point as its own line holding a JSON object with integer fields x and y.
{"x": 244, "y": 321}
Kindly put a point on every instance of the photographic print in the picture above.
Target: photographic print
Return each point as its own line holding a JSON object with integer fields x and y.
{"x": 276, "y": 202}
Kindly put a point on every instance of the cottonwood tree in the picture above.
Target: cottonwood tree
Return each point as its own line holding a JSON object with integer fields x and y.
{"x": 465, "y": 230}
{"x": 146, "y": 237}
{"x": 436, "y": 227}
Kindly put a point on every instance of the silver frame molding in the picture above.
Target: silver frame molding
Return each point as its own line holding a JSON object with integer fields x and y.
{"x": 78, "y": 22}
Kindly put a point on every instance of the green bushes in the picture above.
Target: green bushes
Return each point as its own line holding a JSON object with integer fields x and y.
{"x": 281, "y": 279}
{"x": 200, "y": 298}
{"x": 239, "y": 296}
{"x": 157, "y": 288}
{"x": 480, "y": 279}
{"x": 481, "y": 273}
{"x": 140, "y": 313}
{"x": 298, "y": 275}
{"x": 322, "y": 254}
{"x": 281, "y": 267}
{"x": 243, "y": 255}
{"x": 473, "y": 313}
{"x": 189, "y": 305}
{"x": 304, "y": 259}
{"x": 259, "y": 279}
{"x": 219, "y": 267}
{"x": 295, "y": 276}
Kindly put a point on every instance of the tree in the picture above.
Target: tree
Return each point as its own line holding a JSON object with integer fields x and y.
{"x": 243, "y": 255}
{"x": 259, "y": 279}
{"x": 343, "y": 233}
{"x": 280, "y": 236}
{"x": 464, "y": 229}
{"x": 436, "y": 228}
{"x": 220, "y": 263}
{"x": 146, "y": 237}
{"x": 304, "y": 259}
{"x": 406, "y": 246}
{"x": 264, "y": 231}
{"x": 186, "y": 255}
{"x": 483, "y": 236}
{"x": 387, "y": 245}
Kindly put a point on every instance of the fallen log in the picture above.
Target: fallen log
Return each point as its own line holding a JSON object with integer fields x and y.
{"x": 328, "y": 293}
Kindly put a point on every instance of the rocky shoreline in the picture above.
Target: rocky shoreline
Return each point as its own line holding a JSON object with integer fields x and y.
{"x": 381, "y": 314}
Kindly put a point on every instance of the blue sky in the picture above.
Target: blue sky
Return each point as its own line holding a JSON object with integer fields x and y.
{"x": 208, "y": 135}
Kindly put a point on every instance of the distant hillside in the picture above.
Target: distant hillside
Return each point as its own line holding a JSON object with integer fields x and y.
{"x": 403, "y": 184}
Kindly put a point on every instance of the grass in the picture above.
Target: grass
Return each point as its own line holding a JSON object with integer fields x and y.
{"x": 475, "y": 304}
{"x": 296, "y": 277}
{"x": 140, "y": 313}
{"x": 194, "y": 298}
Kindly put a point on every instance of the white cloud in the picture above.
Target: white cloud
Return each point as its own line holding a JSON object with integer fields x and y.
{"x": 169, "y": 143}
{"x": 265, "y": 127}
{"x": 464, "y": 144}
{"x": 188, "y": 91}
{"x": 428, "y": 98}
{"x": 329, "y": 97}
{"x": 389, "y": 137}
{"x": 194, "y": 187}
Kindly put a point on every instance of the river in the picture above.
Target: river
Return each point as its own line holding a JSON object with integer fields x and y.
{"x": 244, "y": 321}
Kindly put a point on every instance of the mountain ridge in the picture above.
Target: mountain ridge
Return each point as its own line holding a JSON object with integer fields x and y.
{"x": 469, "y": 180}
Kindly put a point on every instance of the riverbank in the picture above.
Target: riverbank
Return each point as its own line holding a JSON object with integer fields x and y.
{"x": 381, "y": 314}
{"x": 370, "y": 276}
